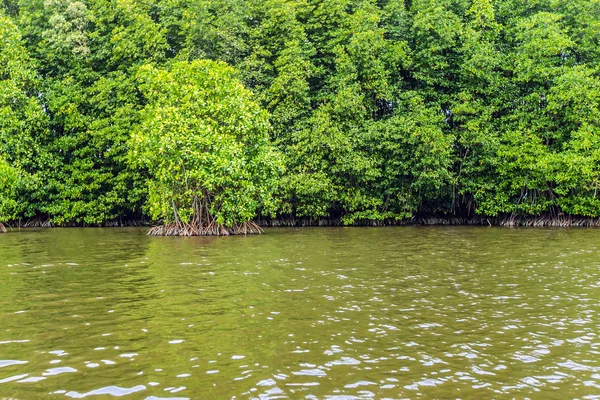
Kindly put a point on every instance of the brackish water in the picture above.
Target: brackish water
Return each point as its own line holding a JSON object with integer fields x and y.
{"x": 341, "y": 313}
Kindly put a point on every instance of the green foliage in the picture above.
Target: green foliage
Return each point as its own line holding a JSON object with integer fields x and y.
{"x": 8, "y": 198}
{"x": 23, "y": 124}
{"x": 88, "y": 63}
{"x": 378, "y": 110}
{"x": 205, "y": 144}
{"x": 414, "y": 157}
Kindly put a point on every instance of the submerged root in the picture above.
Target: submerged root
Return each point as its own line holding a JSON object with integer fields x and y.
{"x": 207, "y": 229}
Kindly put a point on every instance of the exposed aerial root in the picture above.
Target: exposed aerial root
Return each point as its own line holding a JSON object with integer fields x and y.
{"x": 38, "y": 222}
{"x": 561, "y": 221}
{"x": 210, "y": 229}
{"x": 2, "y": 228}
{"x": 202, "y": 223}
{"x": 505, "y": 221}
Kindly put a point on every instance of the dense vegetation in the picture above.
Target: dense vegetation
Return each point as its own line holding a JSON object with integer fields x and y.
{"x": 224, "y": 110}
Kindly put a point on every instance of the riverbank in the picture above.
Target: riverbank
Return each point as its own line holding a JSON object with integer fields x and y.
{"x": 504, "y": 221}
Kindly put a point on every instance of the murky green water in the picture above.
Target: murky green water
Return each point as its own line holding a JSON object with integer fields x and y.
{"x": 309, "y": 313}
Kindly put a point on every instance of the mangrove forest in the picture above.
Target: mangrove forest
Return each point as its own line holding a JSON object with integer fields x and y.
{"x": 212, "y": 117}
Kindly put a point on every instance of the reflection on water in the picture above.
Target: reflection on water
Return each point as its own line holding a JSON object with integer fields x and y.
{"x": 301, "y": 313}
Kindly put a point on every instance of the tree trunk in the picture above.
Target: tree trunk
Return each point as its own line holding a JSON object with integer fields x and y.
{"x": 202, "y": 223}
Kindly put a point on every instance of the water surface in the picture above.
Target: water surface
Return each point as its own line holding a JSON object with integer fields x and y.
{"x": 340, "y": 313}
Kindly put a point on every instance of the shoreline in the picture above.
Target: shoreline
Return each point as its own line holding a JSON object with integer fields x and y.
{"x": 505, "y": 221}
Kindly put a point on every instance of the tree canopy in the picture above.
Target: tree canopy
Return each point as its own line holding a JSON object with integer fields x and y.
{"x": 350, "y": 110}
{"x": 205, "y": 144}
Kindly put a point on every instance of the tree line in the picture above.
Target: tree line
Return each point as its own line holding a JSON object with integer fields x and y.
{"x": 205, "y": 114}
